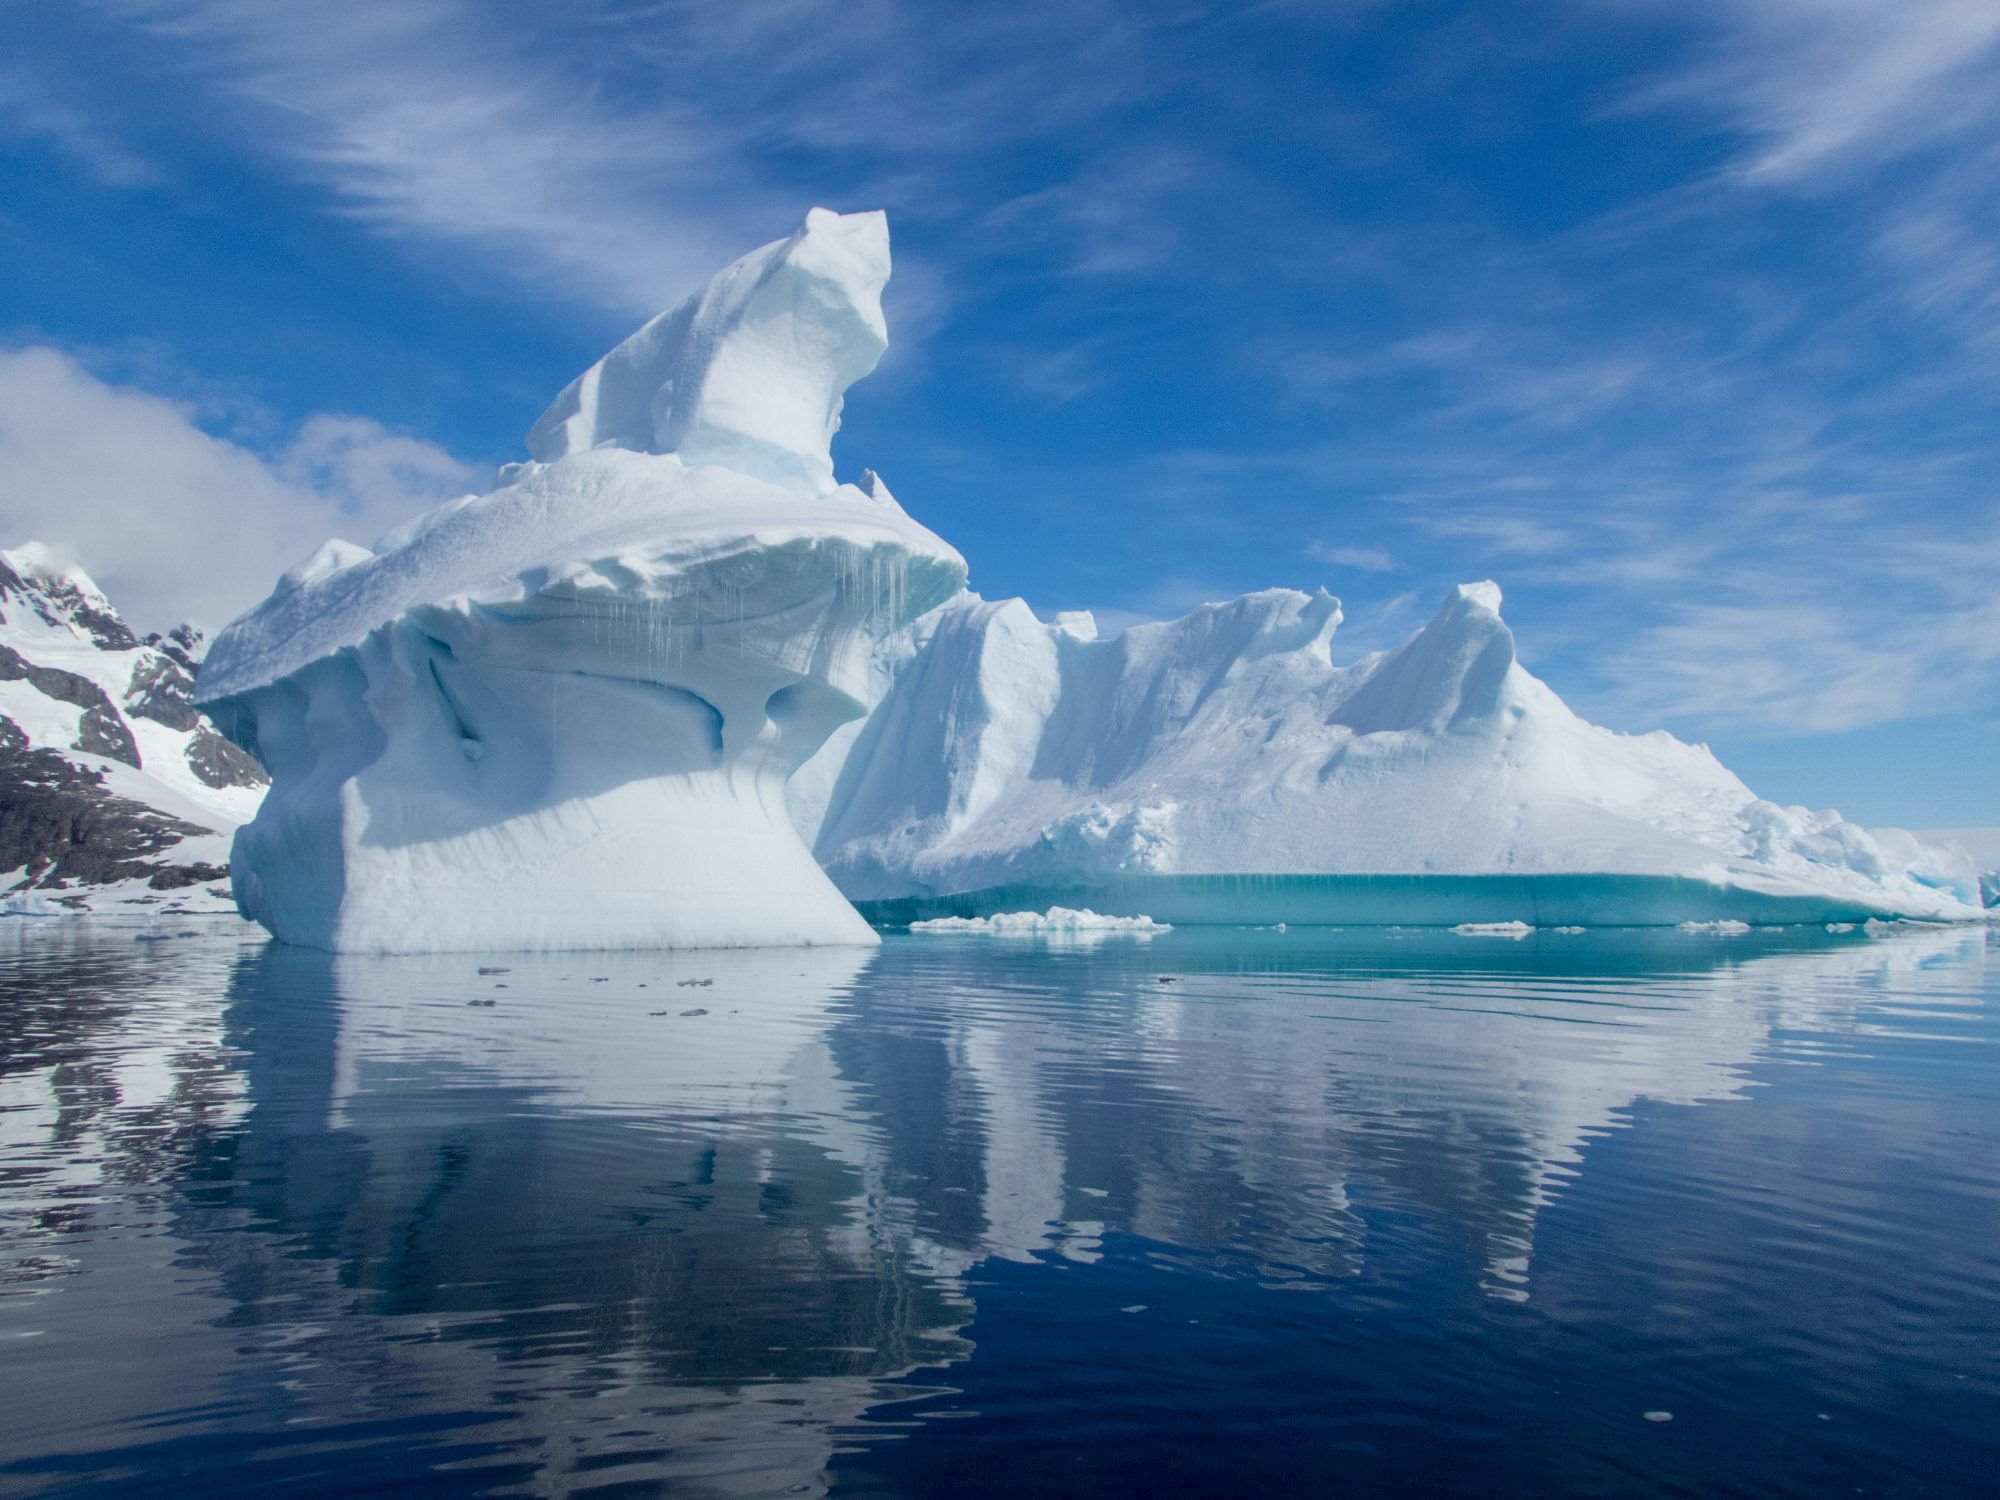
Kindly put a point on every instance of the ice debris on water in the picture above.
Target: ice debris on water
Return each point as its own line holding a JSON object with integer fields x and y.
{"x": 1493, "y": 929}
{"x": 1725, "y": 927}
{"x": 1056, "y": 921}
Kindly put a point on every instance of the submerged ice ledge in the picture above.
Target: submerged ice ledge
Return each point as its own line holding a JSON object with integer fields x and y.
{"x": 1509, "y": 902}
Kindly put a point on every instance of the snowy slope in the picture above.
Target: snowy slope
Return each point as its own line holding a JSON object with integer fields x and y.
{"x": 1009, "y": 752}
{"x": 115, "y": 792}
{"x": 562, "y": 715}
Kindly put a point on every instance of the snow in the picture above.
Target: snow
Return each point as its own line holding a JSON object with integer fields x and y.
{"x": 1004, "y": 751}
{"x": 1982, "y": 845}
{"x": 83, "y": 847}
{"x": 1057, "y": 921}
{"x": 748, "y": 373}
{"x": 38, "y": 560}
{"x": 562, "y": 714}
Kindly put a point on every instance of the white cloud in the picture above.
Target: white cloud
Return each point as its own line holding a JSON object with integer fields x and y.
{"x": 1362, "y": 559}
{"x": 423, "y": 123}
{"x": 1797, "y": 667}
{"x": 616, "y": 154}
{"x": 176, "y": 522}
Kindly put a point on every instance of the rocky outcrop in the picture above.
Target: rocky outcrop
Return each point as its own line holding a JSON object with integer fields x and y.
{"x": 114, "y": 789}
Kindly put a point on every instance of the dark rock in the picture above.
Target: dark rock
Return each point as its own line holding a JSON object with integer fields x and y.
{"x": 182, "y": 643}
{"x": 218, "y": 763}
{"x": 59, "y": 821}
{"x": 174, "y": 877}
{"x": 163, "y": 690}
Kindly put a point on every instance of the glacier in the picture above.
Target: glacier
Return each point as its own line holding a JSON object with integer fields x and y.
{"x": 562, "y": 714}
{"x": 1226, "y": 767}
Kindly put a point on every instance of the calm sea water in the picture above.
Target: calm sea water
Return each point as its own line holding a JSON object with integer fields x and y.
{"x": 1225, "y": 1212}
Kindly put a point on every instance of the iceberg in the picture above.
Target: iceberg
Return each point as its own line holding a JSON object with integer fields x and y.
{"x": 1226, "y": 767}
{"x": 562, "y": 714}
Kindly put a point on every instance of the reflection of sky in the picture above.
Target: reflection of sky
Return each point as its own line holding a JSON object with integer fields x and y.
{"x": 712, "y": 1204}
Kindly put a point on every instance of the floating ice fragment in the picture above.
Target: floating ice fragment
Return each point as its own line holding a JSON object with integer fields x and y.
{"x": 1727, "y": 927}
{"x": 1493, "y": 929}
{"x": 1057, "y": 921}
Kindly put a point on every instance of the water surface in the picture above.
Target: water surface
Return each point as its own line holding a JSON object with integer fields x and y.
{"x": 1366, "y": 1211}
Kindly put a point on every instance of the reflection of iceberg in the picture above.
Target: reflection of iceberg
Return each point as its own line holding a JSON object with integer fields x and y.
{"x": 1466, "y": 1086}
{"x": 659, "y": 1191}
{"x": 562, "y": 715}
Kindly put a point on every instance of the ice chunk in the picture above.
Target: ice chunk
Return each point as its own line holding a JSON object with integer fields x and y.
{"x": 1514, "y": 929}
{"x": 1059, "y": 921}
{"x": 1726, "y": 927}
{"x": 749, "y": 372}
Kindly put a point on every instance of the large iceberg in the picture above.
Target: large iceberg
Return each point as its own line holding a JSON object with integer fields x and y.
{"x": 1225, "y": 766}
{"x": 563, "y": 714}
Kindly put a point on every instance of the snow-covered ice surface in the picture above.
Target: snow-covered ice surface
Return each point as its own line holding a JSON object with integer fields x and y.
{"x": 1057, "y": 921}
{"x": 1225, "y": 767}
{"x": 562, "y": 715}
{"x": 1983, "y": 846}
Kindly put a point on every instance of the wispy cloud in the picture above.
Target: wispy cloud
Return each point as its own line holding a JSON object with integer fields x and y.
{"x": 616, "y": 153}
{"x": 1361, "y": 559}
{"x": 28, "y": 108}
{"x": 1818, "y": 86}
{"x": 423, "y": 120}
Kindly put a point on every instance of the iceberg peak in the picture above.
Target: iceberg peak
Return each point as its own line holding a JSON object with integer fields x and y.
{"x": 750, "y": 372}
{"x": 330, "y": 557}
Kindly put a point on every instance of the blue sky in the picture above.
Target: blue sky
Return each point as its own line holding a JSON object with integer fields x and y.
{"x": 1682, "y": 322}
